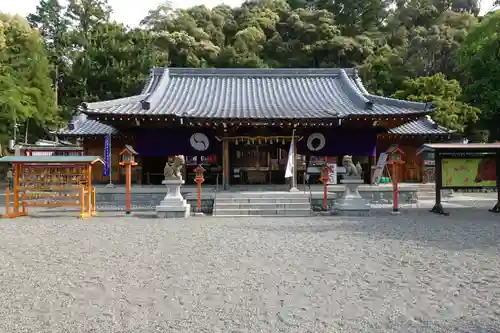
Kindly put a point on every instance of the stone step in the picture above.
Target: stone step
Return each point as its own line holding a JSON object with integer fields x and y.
{"x": 262, "y": 212}
{"x": 264, "y": 206}
{"x": 255, "y": 195}
{"x": 259, "y": 200}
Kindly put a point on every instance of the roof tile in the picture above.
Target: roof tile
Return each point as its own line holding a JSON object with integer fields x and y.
{"x": 256, "y": 93}
{"x": 82, "y": 126}
{"x": 423, "y": 126}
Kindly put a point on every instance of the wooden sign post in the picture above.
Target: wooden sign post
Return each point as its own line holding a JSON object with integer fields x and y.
{"x": 127, "y": 160}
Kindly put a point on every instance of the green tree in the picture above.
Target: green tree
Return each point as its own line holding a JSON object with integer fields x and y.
{"x": 480, "y": 65}
{"x": 26, "y": 94}
{"x": 445, "y": 95}
{"x": 53, "y": 26}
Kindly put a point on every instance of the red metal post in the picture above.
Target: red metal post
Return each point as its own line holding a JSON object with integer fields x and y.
{"x": 395, "y": 187}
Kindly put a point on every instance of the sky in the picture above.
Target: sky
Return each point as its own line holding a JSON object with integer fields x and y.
{"x": 131, "y": 12}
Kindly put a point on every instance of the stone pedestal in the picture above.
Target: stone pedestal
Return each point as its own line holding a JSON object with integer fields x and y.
{"x": 173, "y": 205}
{"x": 352, "y": 203}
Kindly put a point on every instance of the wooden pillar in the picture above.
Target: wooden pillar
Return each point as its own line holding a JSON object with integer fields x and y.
{"x": 226, "y": 170}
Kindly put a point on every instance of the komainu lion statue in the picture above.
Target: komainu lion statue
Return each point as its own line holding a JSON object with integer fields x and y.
{"x": 172, "y": 170}
{"x": 351, "y": 169}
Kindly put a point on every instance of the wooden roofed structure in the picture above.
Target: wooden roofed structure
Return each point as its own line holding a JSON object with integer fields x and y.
{"x": 330, "y": 110}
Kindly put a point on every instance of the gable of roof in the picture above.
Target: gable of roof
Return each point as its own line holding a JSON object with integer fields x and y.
{"x": 83, "y": 126}
{"x": 423, "y": 126}
{"x": 243, "y": 93}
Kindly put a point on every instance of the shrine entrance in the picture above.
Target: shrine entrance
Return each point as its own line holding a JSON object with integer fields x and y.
{"x": 259, "y": 160}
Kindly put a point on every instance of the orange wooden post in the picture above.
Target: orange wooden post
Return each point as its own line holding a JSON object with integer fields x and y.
{"x": 82, "y": 201}
{"x": 89, "y": 190}
{"x": 128, "y": 188}
{"x": 7, "y": 203}
{"x": 94, "y": 212}
{"x": 24, "y": 212}
{"x": 17, "y": 176}
{"x": 127, "y": 156}
{"x": 199, "y": 179}
{"x": 324, "y": 179}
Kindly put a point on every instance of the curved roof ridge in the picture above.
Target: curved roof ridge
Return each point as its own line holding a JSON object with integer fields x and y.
{"x": 388, "y": 100}
{"x": 115, "y": 102}
{"x": 425, "y": 107}
{"x": 156, "y": 96}
{"x": 256, "y": 93}
{"x": 353, "y": 92}
{"x": 152, "y": 82}
{"x": 261, "y": 72}
{"x": 422, "y": 126}
{"x": 359, "y": 83}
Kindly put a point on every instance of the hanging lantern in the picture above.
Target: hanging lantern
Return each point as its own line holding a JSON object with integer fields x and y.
{"x": 283, "y": 141}
{"x": 236, "y": 142}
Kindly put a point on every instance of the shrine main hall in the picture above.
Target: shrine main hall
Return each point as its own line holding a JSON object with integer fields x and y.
{"x": 239, "y": 124}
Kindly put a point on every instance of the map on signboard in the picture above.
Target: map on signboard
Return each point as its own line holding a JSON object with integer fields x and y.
{"x": 469, "y": 172}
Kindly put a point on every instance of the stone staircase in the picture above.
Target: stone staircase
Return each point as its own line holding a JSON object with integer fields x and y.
{"x": 235, "y": 204}
{"x": 426, "y": 191}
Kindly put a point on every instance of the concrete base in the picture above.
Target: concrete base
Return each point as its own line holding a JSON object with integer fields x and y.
{"x": 173, "y": 205}
{"x": 352, "y": 204}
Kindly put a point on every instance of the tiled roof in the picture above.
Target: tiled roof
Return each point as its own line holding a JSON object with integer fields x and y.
{"x": 81, "y": 126}
{"x": 255, "y": 93}
{"x": 423, "y": 126}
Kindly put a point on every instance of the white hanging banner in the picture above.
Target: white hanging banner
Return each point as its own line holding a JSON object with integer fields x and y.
{"x": 289, "y": 164}
{"x": 332, "y": 173}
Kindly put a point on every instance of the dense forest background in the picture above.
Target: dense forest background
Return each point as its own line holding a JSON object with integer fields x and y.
{"x": 437, "y": 51}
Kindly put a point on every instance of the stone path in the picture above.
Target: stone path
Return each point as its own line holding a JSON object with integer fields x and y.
{"x": 416, "y": 272}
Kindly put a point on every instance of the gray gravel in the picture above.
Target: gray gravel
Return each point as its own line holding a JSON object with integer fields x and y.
{"x": 411, "y": 273}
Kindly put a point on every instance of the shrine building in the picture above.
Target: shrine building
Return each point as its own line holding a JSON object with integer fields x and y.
{"x": 239, "y": 123}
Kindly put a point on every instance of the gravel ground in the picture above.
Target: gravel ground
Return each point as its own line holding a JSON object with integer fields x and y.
{"x": 415, "y": 272}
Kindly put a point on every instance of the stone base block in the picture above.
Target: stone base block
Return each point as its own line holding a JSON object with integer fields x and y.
{"x": 352, "y": 207}
{"x": 170, "y": 214}
{"x": 340, "y": 212}
{"x": 173, "y": 208}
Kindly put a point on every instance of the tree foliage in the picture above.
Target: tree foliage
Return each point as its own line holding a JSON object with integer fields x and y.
{"x": 445, "y": 95}
{"x": 425, "y": 50}
{"x": 26, "y": 94}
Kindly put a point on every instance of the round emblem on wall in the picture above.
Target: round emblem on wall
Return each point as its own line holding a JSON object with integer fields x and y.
{"x": 199, "y": 141}
{"x": 316, "y": 142}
